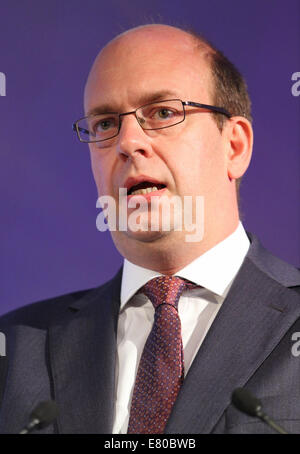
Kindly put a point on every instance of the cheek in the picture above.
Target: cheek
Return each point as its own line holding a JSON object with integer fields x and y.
{"x": 199, "y": 162}
{"x": 100, "y": 172}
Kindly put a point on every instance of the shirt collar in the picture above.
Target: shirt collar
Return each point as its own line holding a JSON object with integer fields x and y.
{"x": 213, "y": 270}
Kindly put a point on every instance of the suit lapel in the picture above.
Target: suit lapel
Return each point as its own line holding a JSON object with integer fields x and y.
{"x": 254, "y": 317}
{"x": 82, "y": 359}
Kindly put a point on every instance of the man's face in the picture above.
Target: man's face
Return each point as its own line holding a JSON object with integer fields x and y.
{"x": 144, "y": 66}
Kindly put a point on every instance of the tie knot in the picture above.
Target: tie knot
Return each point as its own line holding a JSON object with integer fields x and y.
{"x": 166, "y": 290}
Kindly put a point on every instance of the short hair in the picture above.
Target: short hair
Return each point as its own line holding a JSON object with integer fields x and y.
{"x": 230, "y": 89}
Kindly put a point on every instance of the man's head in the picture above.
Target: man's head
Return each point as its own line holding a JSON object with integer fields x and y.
{"x": 201, "y": 156}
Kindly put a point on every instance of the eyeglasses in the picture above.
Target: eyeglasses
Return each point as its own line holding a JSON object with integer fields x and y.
{"x": 156, "y": 115}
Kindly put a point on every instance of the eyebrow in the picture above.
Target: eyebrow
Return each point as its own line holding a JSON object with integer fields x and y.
{"x": 142, "y": 100}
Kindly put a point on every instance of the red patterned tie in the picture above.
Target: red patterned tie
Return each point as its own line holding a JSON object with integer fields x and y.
{"x": 161, "y": 369}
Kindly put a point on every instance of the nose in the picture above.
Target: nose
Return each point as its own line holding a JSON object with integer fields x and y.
{"x": 132, "y": 139}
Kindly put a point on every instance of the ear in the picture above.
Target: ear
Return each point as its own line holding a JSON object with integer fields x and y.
{"x": 239, "y": 144}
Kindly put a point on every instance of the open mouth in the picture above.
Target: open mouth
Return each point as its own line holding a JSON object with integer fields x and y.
{"x": 145, "y": 187}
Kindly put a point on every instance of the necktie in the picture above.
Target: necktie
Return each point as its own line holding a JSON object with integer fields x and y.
{"x": 161, "y": 368}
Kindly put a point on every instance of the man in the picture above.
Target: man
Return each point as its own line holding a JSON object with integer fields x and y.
{"x": 100, "y": 353}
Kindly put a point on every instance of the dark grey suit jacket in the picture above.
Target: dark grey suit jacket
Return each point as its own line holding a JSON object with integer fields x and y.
{"x": 65, "y": 349}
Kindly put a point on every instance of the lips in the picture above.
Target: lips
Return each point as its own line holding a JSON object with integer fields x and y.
{"x": 143, "y": 184}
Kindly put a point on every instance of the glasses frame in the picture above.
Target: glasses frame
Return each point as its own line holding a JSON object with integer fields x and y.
{"x": 77, "y": 128}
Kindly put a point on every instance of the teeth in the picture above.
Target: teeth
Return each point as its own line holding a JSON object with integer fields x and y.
{"x": 144, "y": 191}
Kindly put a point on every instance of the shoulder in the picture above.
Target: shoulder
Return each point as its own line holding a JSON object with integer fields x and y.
{"x": 274, "y": 267}
{"x": 42, "y": 314}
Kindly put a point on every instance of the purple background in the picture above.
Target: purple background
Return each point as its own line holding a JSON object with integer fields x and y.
{"x": 49, "y": 241}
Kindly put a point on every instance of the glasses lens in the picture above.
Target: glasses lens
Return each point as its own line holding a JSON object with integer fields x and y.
{"x": 100, "y": 127}
{"x": 159, "y": 115}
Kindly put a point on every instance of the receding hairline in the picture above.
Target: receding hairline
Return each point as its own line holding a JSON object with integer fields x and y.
{"x": 198, "y": 44}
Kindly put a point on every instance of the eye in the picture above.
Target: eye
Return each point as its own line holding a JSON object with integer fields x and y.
{"x": 105, "y": 124}
{"x": 165, "y": 113}
{"x": 159, "y": 113}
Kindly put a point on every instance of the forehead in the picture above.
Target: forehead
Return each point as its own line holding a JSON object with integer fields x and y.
{"x": 148, "y": 61}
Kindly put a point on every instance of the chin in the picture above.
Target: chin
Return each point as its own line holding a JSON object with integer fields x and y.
{"x": 129, "y": 238}
{"x": 146, "y": 236}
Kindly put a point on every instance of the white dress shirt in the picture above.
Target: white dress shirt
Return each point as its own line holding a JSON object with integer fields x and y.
{"x": 214, "y": 271}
